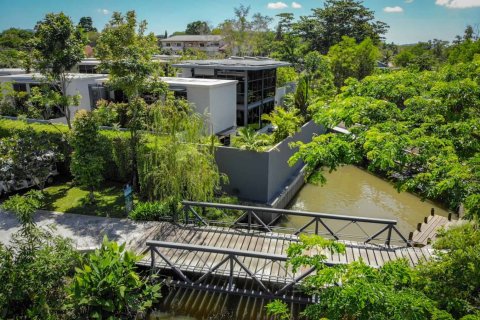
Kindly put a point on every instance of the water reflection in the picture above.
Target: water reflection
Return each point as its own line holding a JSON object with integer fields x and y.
{"x": 356, "y": 192}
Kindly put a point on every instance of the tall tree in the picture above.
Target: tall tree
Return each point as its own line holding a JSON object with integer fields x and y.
{"x": 288, "y": 45}
{"x": 246, "y": 36}
{"x": 338, "y": 18}
{"x": 86, "y": 24}
{"x": 87, "y": 158}
{"x": 349, "y": 59}
{"x": 197, "y": 28}
{"x": 58, "y": 47}
{"x": 125, "y": 50}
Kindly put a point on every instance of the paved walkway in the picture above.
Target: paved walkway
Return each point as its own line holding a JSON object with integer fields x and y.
{"x": 87, "y": 231}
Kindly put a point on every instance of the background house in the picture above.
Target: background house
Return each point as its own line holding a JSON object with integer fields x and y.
{"x": 210, "y": 44}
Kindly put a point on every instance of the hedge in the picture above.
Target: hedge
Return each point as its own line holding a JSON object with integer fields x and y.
{"x": 116, "y": 145}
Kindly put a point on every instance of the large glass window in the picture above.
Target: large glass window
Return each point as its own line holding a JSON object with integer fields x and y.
{"x": 19, "y": 87}
{"x": 240, "y": 118}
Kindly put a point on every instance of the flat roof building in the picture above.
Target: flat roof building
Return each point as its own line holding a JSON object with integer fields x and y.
{"x": 256, "y": 87}
{"x": 213, "y": 98}
{"x": 210, "y": 44}
{"x": 79, "y": 84}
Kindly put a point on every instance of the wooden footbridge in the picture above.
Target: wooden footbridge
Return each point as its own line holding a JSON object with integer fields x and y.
{"x": 250, "y": 254}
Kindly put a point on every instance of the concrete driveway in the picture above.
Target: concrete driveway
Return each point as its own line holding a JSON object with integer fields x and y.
{"x": 87, "y": 231}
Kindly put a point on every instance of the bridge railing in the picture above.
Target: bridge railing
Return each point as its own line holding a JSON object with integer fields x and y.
{"x": 229, "y": 264}
{"x": 338, "y": 227}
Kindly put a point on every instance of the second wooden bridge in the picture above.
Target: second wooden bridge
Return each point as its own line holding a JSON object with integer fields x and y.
{"x": 192, "y": 250}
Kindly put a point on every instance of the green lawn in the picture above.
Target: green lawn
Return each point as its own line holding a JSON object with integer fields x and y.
{"x": 66, "y": 197}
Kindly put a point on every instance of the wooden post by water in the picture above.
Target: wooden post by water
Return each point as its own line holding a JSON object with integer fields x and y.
{"x": 419, "y": 227}
{"x": 432, "y": 212}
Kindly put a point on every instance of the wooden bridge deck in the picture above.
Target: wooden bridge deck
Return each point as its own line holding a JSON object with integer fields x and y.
{"x": 198, "y": 262}
{"x": 427, "y": 231}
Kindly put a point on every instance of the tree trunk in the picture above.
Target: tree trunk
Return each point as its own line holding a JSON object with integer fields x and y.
{"x": 91, "y": 196}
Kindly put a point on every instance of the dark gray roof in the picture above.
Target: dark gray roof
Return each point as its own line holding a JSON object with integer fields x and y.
{"x": 234, "y": 63}
{"x": 187, "y": 37}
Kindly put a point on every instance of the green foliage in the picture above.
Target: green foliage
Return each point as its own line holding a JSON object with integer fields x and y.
{"x": 248, "y": 139}
{"x": 14, "y": 48}
{"x": 198, "y": 27}
{"x": 285, "y": 122}
{"x": 338, "y": 18}
{"x": 325, "y": 151}
{"x": 58, "y": 47}
{"x": 245, "y": 35}
{"x": 108, "y": 285}
{"x": 423, "y": 55}
{"x": 349, "y": 59}
{"x": 317, "y": 72}
{"x": 464, "y": 52}
{"x": 278, "y": 309}
{"x": 286, "y": 75}
{"x": 116, "y": 151}
{"x": 34, "y": 267}
{"x": 86, "y": 24}
{"x": 87, "y": 161}
{"x": 419, "y": 127}
{"x": 28, "y": 155}
{"x": 357, "y": 291}
{"x": 453, "y": 277}
{"x": 150, "y": 211}
{"x": 126, "y": 51}
{"x": 176, "y": 150}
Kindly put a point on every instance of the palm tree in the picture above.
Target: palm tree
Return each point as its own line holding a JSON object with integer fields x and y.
{"x": 248, "y": 139}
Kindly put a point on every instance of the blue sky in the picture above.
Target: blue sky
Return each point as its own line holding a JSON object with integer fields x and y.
{"x": 410, "y": 20}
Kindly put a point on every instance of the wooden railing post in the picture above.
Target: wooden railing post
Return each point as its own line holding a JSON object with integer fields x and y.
{"x": 152, "y": 261}
{"x": 249, "y": 213}
{"x": 389, "y": 236}
{"x": 187, "y": 215}
{"x": 230, "y": 280}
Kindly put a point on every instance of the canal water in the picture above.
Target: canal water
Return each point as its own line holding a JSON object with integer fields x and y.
{"x": 356, "y": 192}
{"x": 348, "y": 191}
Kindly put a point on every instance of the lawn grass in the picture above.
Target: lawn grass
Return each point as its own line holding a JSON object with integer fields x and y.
{"x": 64, "y": 196}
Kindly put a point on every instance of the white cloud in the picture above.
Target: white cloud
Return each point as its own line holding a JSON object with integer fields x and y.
{"x": 103, "y": 11}
{"x": 396, "y": 9}
{"x": 296, "y": 5}
{"x": 408, "y": 1}
{"x": 277, "y": 5}
{"x": 458, "y": 4}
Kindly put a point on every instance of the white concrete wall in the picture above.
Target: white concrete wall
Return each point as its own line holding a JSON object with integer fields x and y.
{"x": 80, "y": 86}
{"x": 223, "y": 107}
{"x": 217, "y": 104}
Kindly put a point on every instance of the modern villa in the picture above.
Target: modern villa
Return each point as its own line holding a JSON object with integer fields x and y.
{"x": 213, "y": 98}
{"x": 256, "y": 87}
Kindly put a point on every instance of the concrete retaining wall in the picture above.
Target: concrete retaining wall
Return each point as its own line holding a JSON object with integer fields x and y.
{"x": 262, "y": 177}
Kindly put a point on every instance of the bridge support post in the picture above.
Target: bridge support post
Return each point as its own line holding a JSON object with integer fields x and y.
{"x": 389, "y": 236}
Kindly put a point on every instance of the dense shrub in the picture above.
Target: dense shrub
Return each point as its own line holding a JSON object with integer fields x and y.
{"x": 34, "y": 267}
{"x": 154, "y": 210}
{"x": 108, "y": 285}
{"x": 114, "y": 143}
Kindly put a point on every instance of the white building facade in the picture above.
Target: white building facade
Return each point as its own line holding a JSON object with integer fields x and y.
{"x": 210, "y": 44}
